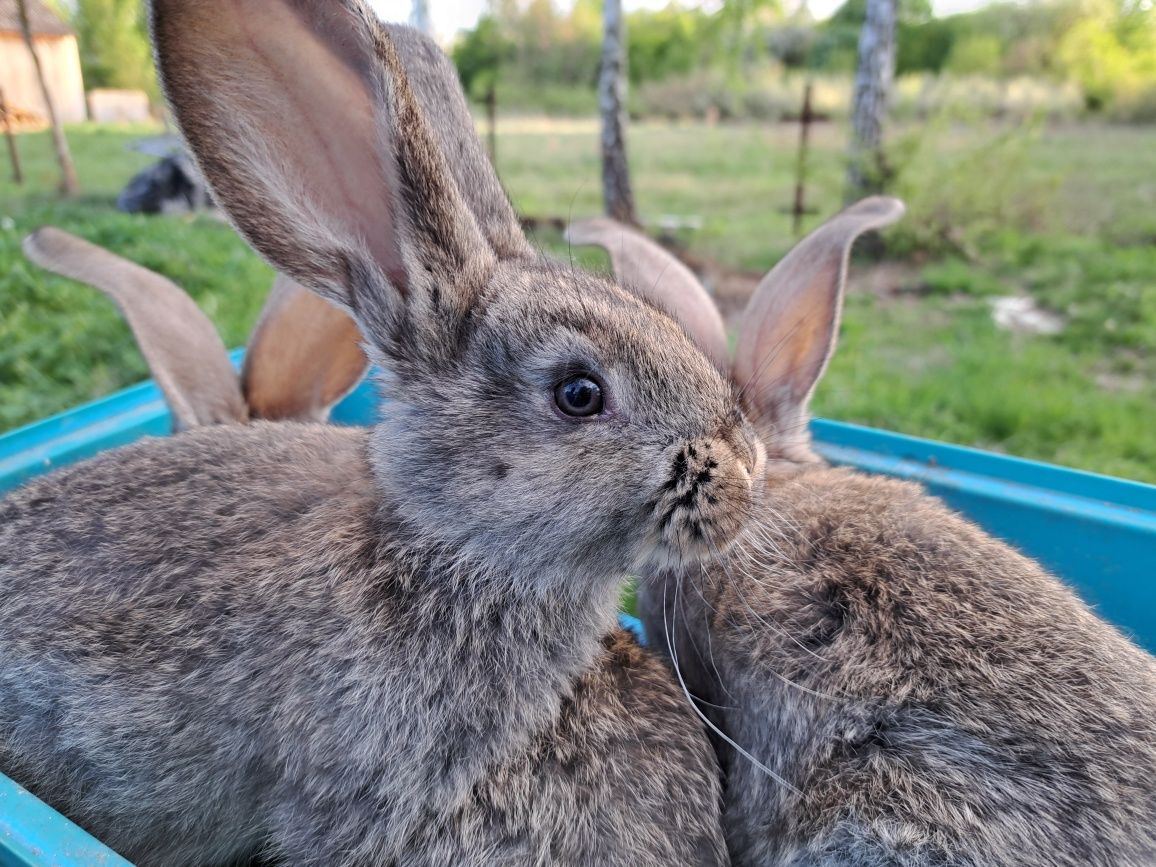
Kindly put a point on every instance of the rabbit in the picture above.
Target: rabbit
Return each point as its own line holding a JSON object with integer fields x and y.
{"x": 888, "y": 684}
{"x": 396, "y": 645}
{"x": 304, "y": 354}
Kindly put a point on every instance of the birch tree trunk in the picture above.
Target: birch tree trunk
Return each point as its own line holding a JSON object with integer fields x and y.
{"x": 419, "y": 17}
{"x": 69, "y": 186}
{"x": 616, "y": 191}
{"x": 872, "y": 90}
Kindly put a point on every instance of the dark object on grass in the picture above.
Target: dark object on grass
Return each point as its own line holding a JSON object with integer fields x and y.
{"x": 171, "y": 185}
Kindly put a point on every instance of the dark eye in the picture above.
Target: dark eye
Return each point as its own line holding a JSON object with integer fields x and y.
{"x": 579, "y": 396}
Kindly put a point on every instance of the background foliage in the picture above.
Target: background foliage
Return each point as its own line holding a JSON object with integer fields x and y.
{"x": 1101, "y": 53}
{"x": 1020, "y": 136}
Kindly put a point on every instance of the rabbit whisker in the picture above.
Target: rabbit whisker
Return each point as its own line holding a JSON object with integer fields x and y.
{"x": 781, "y": 630}
{"x": 710, "y": 643}
{"x": 698, "y": 653}
{"x": 686, "y": 691}
{"x": 570, "y": 219}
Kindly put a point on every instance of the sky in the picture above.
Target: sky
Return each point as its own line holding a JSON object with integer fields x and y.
{"x": 450, "y": 16}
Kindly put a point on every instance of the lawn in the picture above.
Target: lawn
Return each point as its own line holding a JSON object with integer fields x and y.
{"x": 1066, "y": 215}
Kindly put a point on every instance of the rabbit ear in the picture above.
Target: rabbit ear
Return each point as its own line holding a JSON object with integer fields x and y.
{"x": 435, "y": 84}
{"x": 648, "y": 270}
{"x": 184, "y": 352}
{"x": 304, "y": 123}
{"x": 791, "y": 325}
{"x": 304, "y": 356}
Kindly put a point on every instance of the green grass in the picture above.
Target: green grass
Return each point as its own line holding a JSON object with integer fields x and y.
{"x": 1067, "y": 215}
{"x": 62, "y": 343}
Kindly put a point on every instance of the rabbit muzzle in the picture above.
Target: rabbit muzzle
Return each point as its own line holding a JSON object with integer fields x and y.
{"x": 707, "y": 499}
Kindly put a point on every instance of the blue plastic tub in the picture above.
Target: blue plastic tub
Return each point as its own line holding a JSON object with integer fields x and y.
{"x": 1096, "y": 532}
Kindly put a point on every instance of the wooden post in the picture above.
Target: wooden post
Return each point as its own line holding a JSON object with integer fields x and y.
{"x": 805, "y": 118}
{"x": 13, "y": 153}
{"x": 492, "y": 120}
{"x": 69, "y": 185}
{"x": 616, "y": 190}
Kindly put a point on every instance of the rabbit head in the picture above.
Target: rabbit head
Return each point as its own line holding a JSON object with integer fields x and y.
{"x": 303, "y": 356}
{"x": 790, "y": 325}
{"x": 542, "y": 419}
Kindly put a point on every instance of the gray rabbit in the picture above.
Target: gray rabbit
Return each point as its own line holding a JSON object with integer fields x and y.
{"x": 889, "y": 684}
{"x": 341, "y": 647}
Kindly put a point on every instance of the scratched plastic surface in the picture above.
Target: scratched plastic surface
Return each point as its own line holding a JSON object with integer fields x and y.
{"x": 1096, "y": 532}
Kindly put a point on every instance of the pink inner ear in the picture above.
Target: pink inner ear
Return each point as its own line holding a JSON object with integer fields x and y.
{"x": 304, "y": 355}
{"x": 297, "y": 107}
{"x": 791, "y": 324}
{"x": 788, "y": 332}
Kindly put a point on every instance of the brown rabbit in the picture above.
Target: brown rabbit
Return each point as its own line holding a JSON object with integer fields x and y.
{"x": 304, "y": 354}
{"x": 395, "y": 646}
{"x": 889, "y": 684}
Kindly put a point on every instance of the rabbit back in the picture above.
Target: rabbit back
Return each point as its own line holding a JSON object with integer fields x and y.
{"x": 147, "y": 599}
{"x": 929, "y": 695}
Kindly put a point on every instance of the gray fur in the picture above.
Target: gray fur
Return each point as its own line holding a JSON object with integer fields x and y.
{"x": 918, "y": 693}
{"x": 224, "y": 642}
{"x": 396, "y": 647}
{"x": 933, "y": 697}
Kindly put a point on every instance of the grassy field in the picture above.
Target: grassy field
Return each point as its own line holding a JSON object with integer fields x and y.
{"x": 1066, "y": 215}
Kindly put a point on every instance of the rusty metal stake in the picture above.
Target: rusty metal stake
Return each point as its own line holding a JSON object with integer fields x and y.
{"x": 800, "y": 208}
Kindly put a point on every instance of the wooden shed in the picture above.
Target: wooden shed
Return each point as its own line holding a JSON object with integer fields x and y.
{"x": 59, "y": 55}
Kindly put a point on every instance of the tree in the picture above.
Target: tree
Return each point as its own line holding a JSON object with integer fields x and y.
{"x": 873, "y": 80}
{"x": 419, "y": 16}
{"x": 69, "y": 185}
{"x": 616, "y": 190}
{"x": 114, "y": 45}
{"x": 479, "y": 57}
{"x": 837, "y": 46}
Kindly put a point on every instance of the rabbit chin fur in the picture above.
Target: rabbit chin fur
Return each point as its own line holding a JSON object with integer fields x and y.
{"x": 227, "y": 642}
{"x": 932, "y": 696}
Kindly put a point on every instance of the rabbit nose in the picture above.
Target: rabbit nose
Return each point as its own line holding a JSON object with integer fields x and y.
{"x": 747, "y": 448}
{"x": 750, "y": 461}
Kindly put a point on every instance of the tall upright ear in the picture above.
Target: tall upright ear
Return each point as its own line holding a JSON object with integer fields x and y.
{"x": 435, "y": 85}
{"x": 304, "y": 356}
{"x": 643, "y": 267}
{"x": 304, "y": 123}
{"x": 184, "y": 352}
{"x": 791, "y": 325}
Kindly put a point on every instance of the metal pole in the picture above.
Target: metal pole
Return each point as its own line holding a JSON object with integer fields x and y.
{"x": 805, "y": 119}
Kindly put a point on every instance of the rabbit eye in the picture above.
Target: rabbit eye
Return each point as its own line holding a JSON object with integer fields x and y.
{"x": 579, "y": 396}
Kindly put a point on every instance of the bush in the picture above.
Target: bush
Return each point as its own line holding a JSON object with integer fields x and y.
{"x": 1135, "y": 103}
{"x": 975, "y": 98}
{"x": 114, "y": 50}
{"x": 959, "y": 196}
{"x": 696, "y": 95}
{"x": 518, "y": 96}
